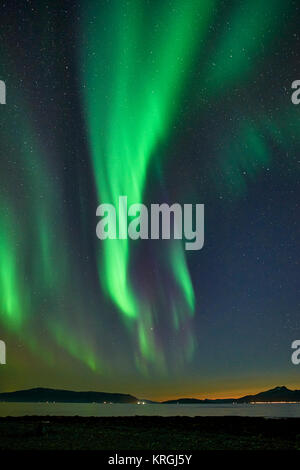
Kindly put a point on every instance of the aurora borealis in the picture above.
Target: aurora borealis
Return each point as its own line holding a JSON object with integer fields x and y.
{"x": 161, "y": 101}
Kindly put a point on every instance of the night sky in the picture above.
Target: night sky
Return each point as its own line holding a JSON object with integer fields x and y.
{"x": 162, "y": 101}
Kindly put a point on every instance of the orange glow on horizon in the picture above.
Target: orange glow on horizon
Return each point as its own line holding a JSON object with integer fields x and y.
{"x": 225, "y": 394}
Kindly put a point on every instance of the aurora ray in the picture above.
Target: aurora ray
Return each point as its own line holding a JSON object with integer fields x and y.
{"x": 129, "y": 112}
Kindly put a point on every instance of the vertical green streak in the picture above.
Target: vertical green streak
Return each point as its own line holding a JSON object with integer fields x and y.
{"x": 181, "y": 275}
{"x": 132, "y": 83}
{"x": 35, "y": 269}
{"x": 12, "y": 299}
{"x": 76, "y": 348}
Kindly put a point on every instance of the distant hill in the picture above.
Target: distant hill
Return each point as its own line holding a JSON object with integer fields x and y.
{"x": 41, "y": 395}
{"x": 277, "y": 394}
{"x": 65, "y": 396}
{"x": 273, "y": 395}
{"x": 192, "y": 401}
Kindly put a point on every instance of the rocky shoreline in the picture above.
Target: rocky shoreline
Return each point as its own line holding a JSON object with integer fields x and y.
{"x": 148, "y": 433}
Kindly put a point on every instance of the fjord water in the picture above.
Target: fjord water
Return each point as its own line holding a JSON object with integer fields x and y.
{"x": 276, "y": 410}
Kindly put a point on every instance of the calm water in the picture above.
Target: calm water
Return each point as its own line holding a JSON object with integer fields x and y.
{"x": 86, "y": 409}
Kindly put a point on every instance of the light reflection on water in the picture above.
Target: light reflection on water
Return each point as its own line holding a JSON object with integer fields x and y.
{"x": 282, "y": 410}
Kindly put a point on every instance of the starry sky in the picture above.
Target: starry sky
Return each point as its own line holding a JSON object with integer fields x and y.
{"x": 162, "y": 101}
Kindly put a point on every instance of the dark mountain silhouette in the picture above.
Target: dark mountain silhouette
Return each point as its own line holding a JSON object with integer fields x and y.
{"x": 192, "y": 401}
{"x": 65, "y": 396}
{"x": 277, "y": 394}
{"x": 35, "y": 395}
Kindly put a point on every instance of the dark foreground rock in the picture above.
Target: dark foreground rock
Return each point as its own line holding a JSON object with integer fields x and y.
{"x": 148, "y": 433}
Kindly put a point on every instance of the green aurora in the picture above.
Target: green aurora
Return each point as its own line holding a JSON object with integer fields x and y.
{"x": 144, "y": 72}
